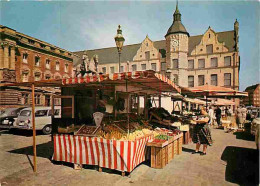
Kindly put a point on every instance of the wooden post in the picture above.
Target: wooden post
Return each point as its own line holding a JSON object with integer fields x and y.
{"x": 34, "y": 131}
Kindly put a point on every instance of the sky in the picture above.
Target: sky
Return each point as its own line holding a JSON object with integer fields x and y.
{"x": 82, "y": 25}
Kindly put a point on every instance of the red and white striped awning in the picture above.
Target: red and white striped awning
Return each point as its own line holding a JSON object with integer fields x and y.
{"x": 139, "y": 78}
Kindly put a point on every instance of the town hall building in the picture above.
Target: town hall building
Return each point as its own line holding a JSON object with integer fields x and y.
{"x": 211, "y": 58}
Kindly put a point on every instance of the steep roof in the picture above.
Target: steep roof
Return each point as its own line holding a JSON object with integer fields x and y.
{"x": 110, "y": 55}
{"x": 253, "y": 87}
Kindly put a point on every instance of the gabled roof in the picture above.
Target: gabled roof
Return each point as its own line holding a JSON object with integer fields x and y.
{"x": 253, "y": 87}
{"x": 110, "y": 55}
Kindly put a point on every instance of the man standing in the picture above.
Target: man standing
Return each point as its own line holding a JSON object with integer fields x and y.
{"x": 218, "y": 115}
{"x": 244, "y": 112}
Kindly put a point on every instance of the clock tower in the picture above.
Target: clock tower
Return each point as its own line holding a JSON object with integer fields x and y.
{"x": 177, "y": 50}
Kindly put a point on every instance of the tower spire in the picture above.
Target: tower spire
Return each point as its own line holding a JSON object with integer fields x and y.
{"x": 177, "y": 14}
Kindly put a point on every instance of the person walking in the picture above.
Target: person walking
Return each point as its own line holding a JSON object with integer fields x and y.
{"x": 218, "y": 116}
{"x": 244, "y": 112}
{"x": 239, "y": 117}
{"x": 211, "y": 116}
{"x": 202, "y": 134}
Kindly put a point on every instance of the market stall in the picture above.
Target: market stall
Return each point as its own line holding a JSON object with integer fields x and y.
{"x": 120, "y": 140}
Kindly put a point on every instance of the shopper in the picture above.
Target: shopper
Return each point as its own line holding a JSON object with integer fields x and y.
{"x": 211, "y": 116}
{"x": 201, "y": 134}
{"x": 218, "y": 116}
{"x": 244, "y": 112}
{"x": 239, "y": 117}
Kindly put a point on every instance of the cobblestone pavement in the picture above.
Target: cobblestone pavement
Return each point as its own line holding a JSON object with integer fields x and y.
{"x": 232, "y": 160}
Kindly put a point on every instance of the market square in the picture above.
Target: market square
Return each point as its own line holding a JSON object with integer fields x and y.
{"x": 90, "y": 95}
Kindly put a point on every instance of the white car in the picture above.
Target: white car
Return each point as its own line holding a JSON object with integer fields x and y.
{"x": 42, "y": 119}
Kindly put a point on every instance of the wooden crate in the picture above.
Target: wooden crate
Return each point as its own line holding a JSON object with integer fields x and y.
{"x": 159, "y": 157}
{"x": 175, "y": 146}
{"x": 170, "y": 152}
{"x": 179, "y": 145}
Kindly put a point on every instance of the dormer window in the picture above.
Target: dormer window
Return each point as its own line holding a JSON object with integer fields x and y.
{"x": 37, "y": 61}
{"x": 25, "y": 57}
{"x": 57, "y": 67}
{"x": 66, "y": 68}
{"x": 209, "y": 49}
{"x": 147, "y": 55}
{"x": 47, "y": 64}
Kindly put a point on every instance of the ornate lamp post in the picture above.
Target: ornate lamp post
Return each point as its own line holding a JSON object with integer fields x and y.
{"x": 119, "y": 39}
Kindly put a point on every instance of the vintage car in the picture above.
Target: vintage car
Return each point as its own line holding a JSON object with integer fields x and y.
{"x": 43, "y": 119}
{"x": 8, "y": 116}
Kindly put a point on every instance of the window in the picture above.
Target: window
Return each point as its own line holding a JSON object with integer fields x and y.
{"x": 190, "y": 81}
{"x": 134, "y": 68}
{"x": 163, "y": 66}
{"x": 175, "y": 78}
{"x": 201, "y": 63}
{"x": 175, "y": 63}
{"x": 57, "y": 67}
{"x": 37, "y": 99}
{"x": 66, "y": 67}
{"x": 37, "y": 61}
{"x": 41, "y": 113}
{"x": 191, "y": 64}
{"x": 25, "y": 76}
{"x": 25, "y": 57}
{"x": 47, "y": 64}
{"x": 227, "y": 61}
{"x": 162, "y": 52}
{"x": 227, "y": 79}
{"x": 104, "y": 70}
{"x": 143, "y": 66}
{"x": 112, "y": 70}
{"x": 47, "y": 76}
{"x": 121, "y": 68}
{"x": 147, "y": 55}
{"x": 153, "y": 65}
{"x": 25, "y": 113}
{"x": 37, "y": 76}
{"x": 201, "y": 80}
{"x": 214, "y": 79}
{"x": 214, "y": 62}
{"x": 209, "y": 49}
{"x": 25, "y": 98}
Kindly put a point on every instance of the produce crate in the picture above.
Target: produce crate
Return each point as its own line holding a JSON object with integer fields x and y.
{"x": 179, "y": 145}
{"x": 175, "y": 146}
{"x": 159, "y": 157}
{"x": 170, "y": 152}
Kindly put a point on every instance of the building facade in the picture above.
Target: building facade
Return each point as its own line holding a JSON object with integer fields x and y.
{"x": 211, "y": 58}
{"x": 253, "y": 98}
{"x": 24, "y": 58}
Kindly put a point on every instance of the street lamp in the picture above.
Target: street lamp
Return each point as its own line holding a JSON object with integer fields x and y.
{"x": 119, "y": 39}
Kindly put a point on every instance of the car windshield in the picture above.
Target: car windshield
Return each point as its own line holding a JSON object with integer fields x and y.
{"x": 25, "y": 113}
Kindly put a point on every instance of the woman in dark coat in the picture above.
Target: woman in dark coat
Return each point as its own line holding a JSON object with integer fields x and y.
{"x": 201, "y": 133}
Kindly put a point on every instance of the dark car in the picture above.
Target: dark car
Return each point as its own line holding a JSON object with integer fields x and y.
{"x": 8, "y": 117}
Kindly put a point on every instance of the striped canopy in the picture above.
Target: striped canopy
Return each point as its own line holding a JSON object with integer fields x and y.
{"x": 144, "y": 79}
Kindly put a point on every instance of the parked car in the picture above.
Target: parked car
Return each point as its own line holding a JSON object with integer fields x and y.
{"x": 42, "y": 118}
{"x": 8, "y": 116}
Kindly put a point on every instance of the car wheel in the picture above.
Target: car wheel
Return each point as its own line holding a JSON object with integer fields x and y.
{"x": 47, "y": 129}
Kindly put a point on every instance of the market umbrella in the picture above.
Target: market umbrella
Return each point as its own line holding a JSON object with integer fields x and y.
{"x": 212, "y": 91}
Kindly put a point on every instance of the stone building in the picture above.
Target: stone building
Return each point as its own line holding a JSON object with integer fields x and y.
{"x": 210, "y": 58}
{"x": 24, "y": 58}
{"x": 253, "y": 98}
